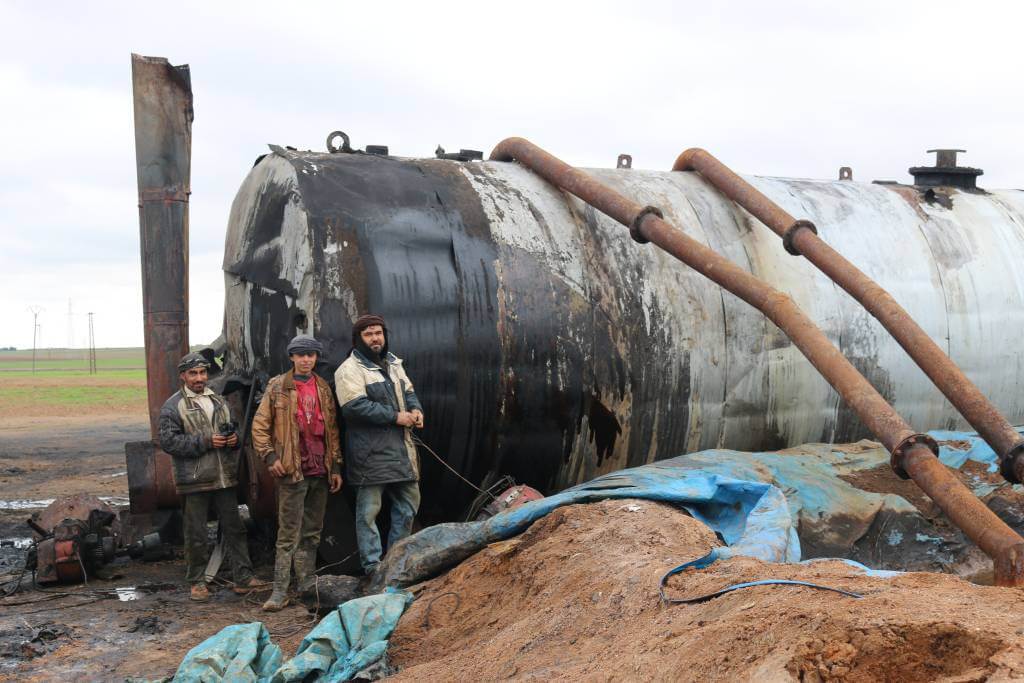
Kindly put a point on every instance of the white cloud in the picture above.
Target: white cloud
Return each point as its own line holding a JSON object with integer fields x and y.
{"x": 787, "y": 89}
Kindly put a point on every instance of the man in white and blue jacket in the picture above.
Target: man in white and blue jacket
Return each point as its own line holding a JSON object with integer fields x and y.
{"x": 380, "y": 409}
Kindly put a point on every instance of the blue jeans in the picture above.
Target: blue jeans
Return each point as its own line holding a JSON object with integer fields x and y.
{"x": 405, "y": 501}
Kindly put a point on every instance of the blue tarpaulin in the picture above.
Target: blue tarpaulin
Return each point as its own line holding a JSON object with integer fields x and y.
{"x": 348, "y": 640}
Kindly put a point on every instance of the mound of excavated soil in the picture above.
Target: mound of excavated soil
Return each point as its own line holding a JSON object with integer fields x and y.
{"x": 575, "y": 597}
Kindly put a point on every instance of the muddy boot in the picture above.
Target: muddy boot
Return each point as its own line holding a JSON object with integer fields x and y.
{"x": 278, "y": 601}
{"x": 199, "y": 592}
{"x": 305, "y": 571}
{"x": 282, "y": 577}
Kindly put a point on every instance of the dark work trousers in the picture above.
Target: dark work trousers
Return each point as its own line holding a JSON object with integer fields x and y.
{"x": 300, "y": 519}
{"x": 197, "y": 552}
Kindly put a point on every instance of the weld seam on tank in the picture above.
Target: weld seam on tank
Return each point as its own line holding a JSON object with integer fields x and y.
{"x": 965, "y": 396}
{"x": 993, "y": 536}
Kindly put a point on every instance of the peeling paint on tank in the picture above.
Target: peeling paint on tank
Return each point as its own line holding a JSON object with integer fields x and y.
{"x": 547, "y": 344}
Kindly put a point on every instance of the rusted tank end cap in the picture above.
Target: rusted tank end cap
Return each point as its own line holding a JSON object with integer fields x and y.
{"x": 896, "y": 460}
{"x": 634, "y": 227}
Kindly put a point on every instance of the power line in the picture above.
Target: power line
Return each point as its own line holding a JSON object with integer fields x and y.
{"x": 92, "y": 348}
{"x": 35, "y": 311}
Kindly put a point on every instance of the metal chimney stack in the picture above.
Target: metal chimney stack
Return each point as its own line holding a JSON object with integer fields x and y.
{"x": 163, "y": 153}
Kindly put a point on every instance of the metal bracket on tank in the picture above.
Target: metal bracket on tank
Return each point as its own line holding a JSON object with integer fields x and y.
{"x": 346, "y": 147}
{"x": 634, "y": 227}
{"x": 896, "y": 461}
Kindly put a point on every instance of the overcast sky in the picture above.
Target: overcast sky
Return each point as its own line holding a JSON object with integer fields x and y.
{"x": 792, "y": 89}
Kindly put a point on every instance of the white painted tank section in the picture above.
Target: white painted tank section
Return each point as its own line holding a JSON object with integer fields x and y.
{"x": 953, "y": 270}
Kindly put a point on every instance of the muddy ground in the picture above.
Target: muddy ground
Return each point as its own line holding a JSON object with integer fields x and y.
{"x": 574, "y": 597}
{"x": 91, "y": 632}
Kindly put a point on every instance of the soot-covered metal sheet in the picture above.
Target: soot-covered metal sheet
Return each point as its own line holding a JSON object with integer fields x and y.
{"x": 547, "y": 344}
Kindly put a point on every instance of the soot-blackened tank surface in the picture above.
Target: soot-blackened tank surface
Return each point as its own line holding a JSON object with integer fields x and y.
{"x": 546, "y": 344}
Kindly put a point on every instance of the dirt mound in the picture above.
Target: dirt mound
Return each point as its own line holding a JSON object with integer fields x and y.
{"x": 575, "y": 597}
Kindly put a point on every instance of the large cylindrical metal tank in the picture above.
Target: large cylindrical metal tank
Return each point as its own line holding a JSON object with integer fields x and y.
{"x": 546, "y": 344}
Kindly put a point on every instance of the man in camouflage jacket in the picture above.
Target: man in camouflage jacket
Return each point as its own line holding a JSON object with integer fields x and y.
{"x": 205, "y": 474}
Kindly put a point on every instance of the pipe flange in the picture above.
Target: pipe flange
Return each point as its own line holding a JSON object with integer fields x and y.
{"x": 791, "y": 231}
{"x": 896, "y": 461}
{"x": 1008, "y": 465}
{"x": 634, "y": 227}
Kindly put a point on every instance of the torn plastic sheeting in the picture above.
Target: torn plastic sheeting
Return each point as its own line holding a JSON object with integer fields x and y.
{"x": 978, "y": 450}
{"x": 350, "y": 639}
{"x": 751, "y": 517}
{"x": 242, "y": 652}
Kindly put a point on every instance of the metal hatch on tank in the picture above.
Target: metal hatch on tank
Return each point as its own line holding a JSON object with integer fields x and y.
{"x": 545, "y": 344}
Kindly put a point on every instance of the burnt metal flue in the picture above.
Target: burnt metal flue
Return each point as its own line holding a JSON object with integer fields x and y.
{"x": 163, "y": 150}
{"x": 912, "y": 452}
{"x": 800, "y": 237}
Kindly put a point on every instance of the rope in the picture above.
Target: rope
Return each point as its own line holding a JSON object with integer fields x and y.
{"x": 416, "y": 440}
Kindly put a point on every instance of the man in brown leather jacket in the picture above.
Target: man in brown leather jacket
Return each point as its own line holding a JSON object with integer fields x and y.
{"x": 295, "y": 432}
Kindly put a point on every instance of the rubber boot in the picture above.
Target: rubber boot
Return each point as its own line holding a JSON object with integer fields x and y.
{"x": 282, "y": 577}
{"x": 305, "y": 571}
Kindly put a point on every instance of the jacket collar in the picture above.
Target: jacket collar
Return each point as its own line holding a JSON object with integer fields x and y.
{"x": 188, "y": 393}
{"x": 288, "y": 383}
{"x": 369, "y": 364}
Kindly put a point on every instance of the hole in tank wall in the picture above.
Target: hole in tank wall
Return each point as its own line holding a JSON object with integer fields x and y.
{"x": 300, "y": 322}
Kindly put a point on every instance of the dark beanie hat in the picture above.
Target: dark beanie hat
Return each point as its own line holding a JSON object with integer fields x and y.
{"x": 192, "y": 360}
{"x": 364, "y": 321}
{"x": 304, "y": 343}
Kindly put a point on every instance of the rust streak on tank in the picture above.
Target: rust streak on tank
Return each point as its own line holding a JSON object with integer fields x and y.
{"x": 991, "y": 534}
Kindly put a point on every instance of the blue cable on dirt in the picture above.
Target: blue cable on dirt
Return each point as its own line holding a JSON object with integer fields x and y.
{"x": 737, "y": 586}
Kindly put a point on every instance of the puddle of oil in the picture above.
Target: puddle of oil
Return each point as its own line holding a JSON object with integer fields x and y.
{"x": 41, "y": 503}
{"x": 130, "y": 593}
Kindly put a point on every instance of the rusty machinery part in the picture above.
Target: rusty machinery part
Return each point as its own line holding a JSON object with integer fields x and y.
{"x": 461, "y": 155}
{"x": 634, "y": 227}
{"x": 990, "y": 533}
{"x": 346, "y": 147}
{"x": 943, "y": 372}
{"x": 76, "y": 550}
{"x": 896, "y": 459}
{"x": 509, "y": 499}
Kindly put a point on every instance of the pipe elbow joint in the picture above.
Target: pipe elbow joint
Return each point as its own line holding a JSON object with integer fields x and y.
{"x": 504, "y": 150}
{"x": 687, "y": 160}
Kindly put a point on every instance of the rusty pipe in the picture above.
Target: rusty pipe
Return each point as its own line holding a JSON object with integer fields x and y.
{"x": 800, "y": 237}
{"x": 914, "y": 453}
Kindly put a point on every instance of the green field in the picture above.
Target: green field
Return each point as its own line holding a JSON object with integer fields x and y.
{"x": 51, "y": 360}
{"x": 62, "y": 385}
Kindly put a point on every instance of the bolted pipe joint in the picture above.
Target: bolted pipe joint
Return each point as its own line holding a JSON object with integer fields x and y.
{"x": 790, "y": 234}
{"x": 634, "y": 226}
{"x": 898, "y": 453}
